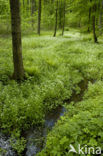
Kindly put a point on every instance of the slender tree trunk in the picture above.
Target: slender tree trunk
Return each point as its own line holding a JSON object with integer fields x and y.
{"x": 39, "y": 17}
{"x": 16, "y": 40}
{"x": 63, "y": 19}
{"x": 28, "y": 5}
{"x": 23, "y": 6}
{"x": 56, "y": 20}
{"x": 100, "y": 17}
{"x": 94, "y": 33}
{"x": 89, "y": 19}
{"x": 28, "y": 2}
{"x": 35, "y": 5}
{"x": 94, "y": 25}
{"x": 32, "y": 12}
{"x": 23, "y": 3}
{"x": 60, "y": 11}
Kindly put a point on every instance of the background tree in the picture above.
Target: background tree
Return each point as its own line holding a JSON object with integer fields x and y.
{"x": 64, "y": 11}
{"x": 75, "y": 13}
{"x": 39, "y": 16}
{"x": 56, "y": 18}
{"x": 94, "y": 7}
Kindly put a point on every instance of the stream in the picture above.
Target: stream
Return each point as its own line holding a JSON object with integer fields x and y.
{"x": 36, "y": 137}
{"x": 5, "y": 147}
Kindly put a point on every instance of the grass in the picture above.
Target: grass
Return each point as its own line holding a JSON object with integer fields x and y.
{"x": 54, "y": 67}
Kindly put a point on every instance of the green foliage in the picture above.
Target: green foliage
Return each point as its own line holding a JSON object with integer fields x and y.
{"x": 53, "y": 73}
{"x": 82, "y": 124}
{"x": 18, "y": 143}
{"x": 4, "y": 16}
{"x": 2, "y": 151}
{"x": 20, "y": 106}
{"x": 53, "y": 67}
{"x": 24, "y": 105}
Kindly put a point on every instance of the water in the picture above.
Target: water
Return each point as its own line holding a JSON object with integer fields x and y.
{"x": 5, "y": 147}
{"x": 36, "y": 139}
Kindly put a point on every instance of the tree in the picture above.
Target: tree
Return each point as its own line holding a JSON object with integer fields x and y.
{"x": 100, "y": 17}
{"x": 56, "y": 19}
{"x": 64, "y": 5}
{"x": 39, "y": 16}
{"x": 16, "y": 40}
{"x": 94, "y": 23}
{"x": 83, "y": 7}
{"x": 89, "y": 17}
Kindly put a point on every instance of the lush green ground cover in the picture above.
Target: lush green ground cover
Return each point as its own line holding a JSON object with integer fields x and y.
{"x": 54, "y": 67}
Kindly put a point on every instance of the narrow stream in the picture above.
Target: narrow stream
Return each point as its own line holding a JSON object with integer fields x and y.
{"x": 36, "y": 138}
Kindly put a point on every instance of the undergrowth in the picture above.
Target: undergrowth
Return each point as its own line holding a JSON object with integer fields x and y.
{"x": 54, "y": 67}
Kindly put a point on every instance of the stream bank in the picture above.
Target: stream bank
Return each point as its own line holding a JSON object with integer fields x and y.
{"x": 36, "y": 137}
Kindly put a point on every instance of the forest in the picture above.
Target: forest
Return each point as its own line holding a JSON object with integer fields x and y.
{"x": 51, "y": 77}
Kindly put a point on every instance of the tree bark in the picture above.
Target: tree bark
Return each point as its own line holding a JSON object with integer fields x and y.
{"x": 94, "y": 33}
{"x": 39, "y": 17}
{"x": 16, "y": 40}
{"x": 94, "y": 25}
{"x": 100, "y": 17}
{"x": 89, "y": 19}
{"x": 60, "y": 12}
{"x": 23, "y": 4}
{"x": 63, "y": 19}
{"x": 56, "y": 20}
{"x": 28, "y": 6}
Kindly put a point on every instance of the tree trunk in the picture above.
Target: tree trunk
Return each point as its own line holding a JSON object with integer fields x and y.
{"x": 100, "y": 17}
{"x": 63, "y": 19}
{"x": 56, "y": 20}
{"x": 94, "y": 24}
{"x": 94, "y": 33}
{"x": 89, "y": 19}
{"x": 39, "y": 17}
{"x": 16, "y": 40}
{"x": 28, "y": 6}
{"x": 60, "y": 12}
{"x": 23, "y": 4}
{"x": 32, "y": 12}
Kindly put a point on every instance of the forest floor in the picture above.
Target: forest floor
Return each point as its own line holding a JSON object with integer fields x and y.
{"x": 54, "y": 69}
